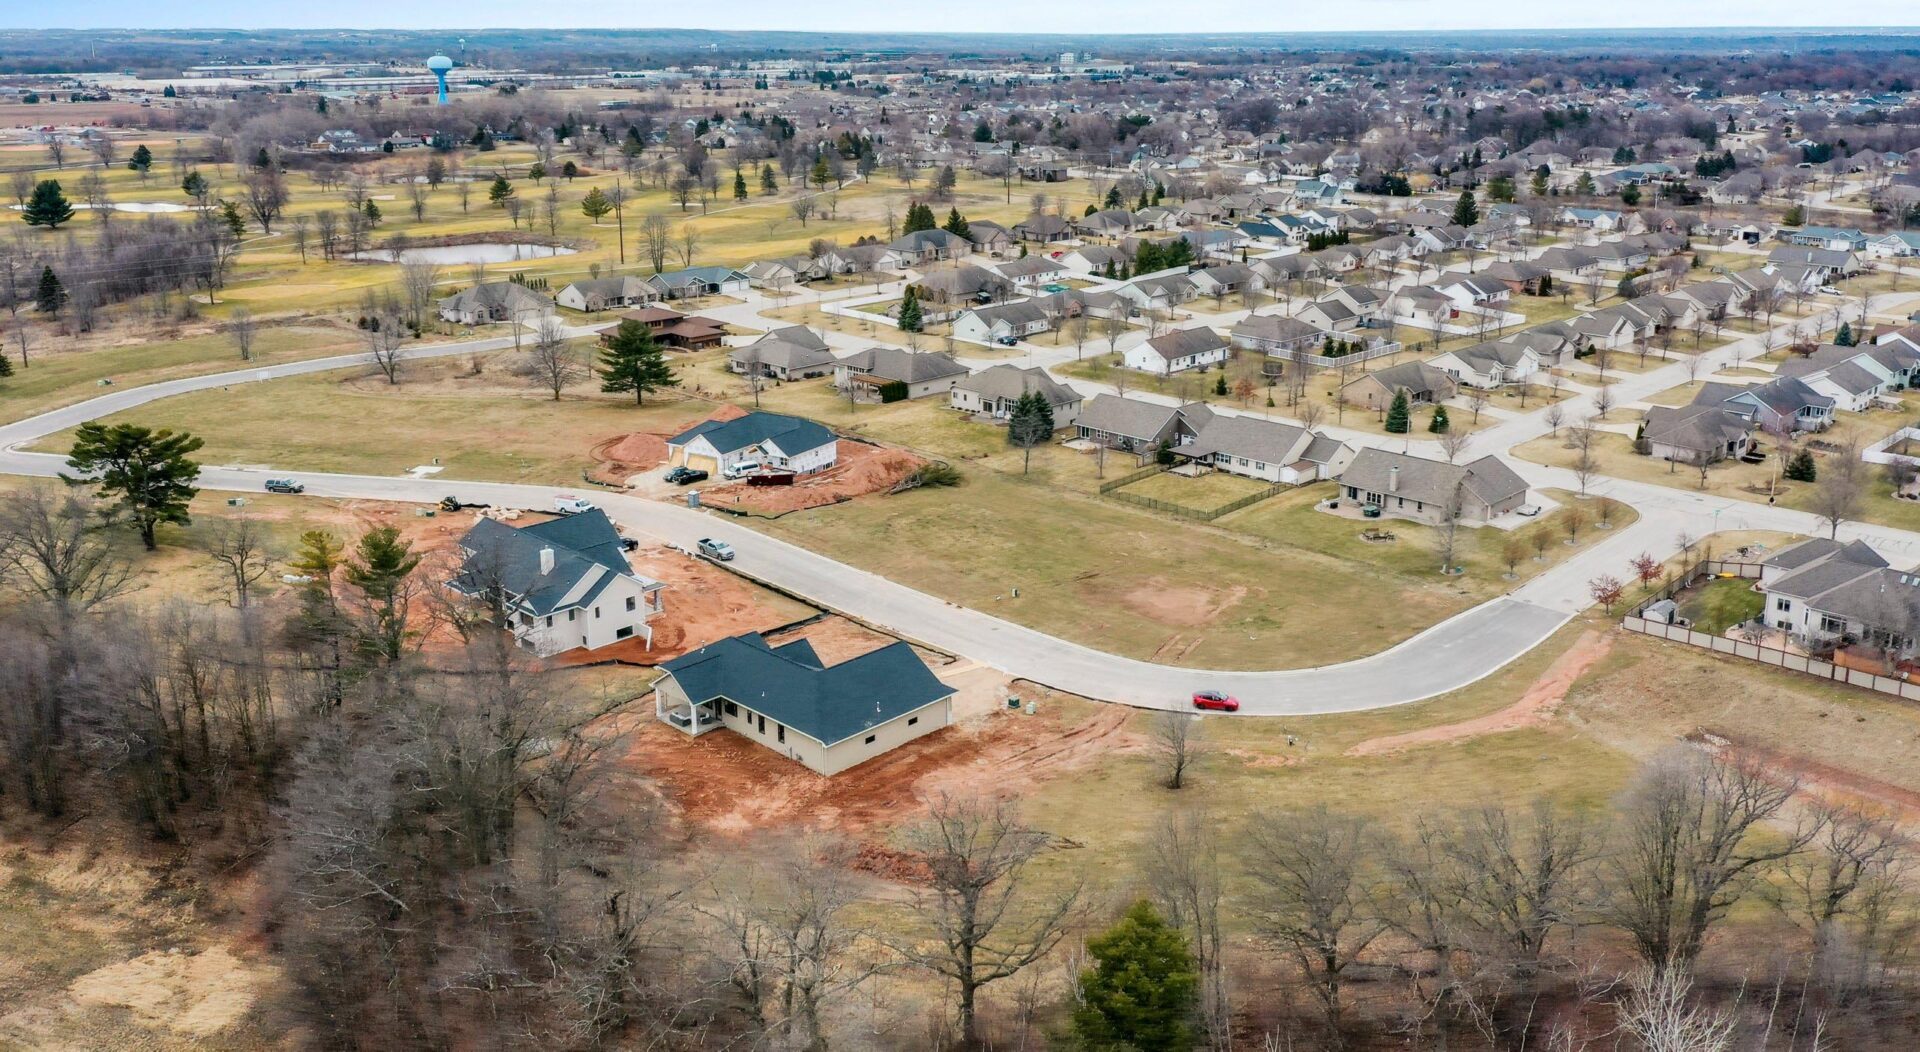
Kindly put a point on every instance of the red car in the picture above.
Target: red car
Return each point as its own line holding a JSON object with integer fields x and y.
{"x": 1213, "y": 699}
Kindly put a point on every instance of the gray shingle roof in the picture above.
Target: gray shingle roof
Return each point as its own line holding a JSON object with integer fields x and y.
{"x": 912, "y": 367}
{"x": 1431, "y": 481}
{"x": 788, "y": 684}
{"x": 791, "y": 433}
{"x": 587, "y": 556}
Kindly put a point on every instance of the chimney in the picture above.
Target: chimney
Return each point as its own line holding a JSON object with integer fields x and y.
{"x": 1393, "y": 481}
{"x": 546, "y": 561}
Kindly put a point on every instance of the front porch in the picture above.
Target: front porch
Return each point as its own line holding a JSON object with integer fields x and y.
{"x": 695, "y": 720}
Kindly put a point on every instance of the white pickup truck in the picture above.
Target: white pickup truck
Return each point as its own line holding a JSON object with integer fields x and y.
{"x": 568, "y": 504}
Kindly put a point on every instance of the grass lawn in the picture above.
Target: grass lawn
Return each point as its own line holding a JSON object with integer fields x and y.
{"x": 1202, "y": 493}
{"x": 1718, "y": 605}
{"x": 1740, "y": 481}
{"x": 67, "y": 372}
{"x": 490, "y": 427}
{"x": 1123, "y": 579}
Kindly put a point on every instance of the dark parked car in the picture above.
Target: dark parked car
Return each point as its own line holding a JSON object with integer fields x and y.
{"x": 682, "y": 476}
{"x": 284, "y": 486}
{"x": 1213, "y": 699}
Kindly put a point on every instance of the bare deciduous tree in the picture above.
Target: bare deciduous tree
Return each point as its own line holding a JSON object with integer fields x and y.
{"x": 1312, "y": 872}
{"x": 552, "y": 364}
{"x": 986, "y": 924}
{"x": 1178, "y": 745}
{"x": 1689, "y": 850}
{"x": 239, "y": 548}
{"x": 1184, "y": 872}
{"x": 242, "y": 328}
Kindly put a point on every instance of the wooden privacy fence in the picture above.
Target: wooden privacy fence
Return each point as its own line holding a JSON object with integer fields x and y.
{"x": 1806, "y": 664}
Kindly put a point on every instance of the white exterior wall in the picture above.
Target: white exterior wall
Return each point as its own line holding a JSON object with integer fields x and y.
{"x": 810, "y": 752}
{"x": 591, "y": 627}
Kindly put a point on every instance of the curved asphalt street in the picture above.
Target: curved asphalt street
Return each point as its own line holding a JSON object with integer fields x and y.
{"x": 1444, "y": 658}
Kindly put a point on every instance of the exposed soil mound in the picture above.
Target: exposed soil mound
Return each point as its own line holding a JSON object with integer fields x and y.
{"x": 863, "y": 470}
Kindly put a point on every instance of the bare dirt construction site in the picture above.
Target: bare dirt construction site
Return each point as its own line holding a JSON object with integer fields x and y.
{"x": 617, "y": 459}
{"x": 725, "y": 784}
{"x": 863, "y": 470}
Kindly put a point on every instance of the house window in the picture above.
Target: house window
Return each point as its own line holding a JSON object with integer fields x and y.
{"x": 780, "y": 733}
{"x": 570, "y": 614}
{"x": 596, "y": 613}
{"x": 911, "y": 720}
{"x": 549, "y": 620}
{"x": 631, "y": 601}
{"x": 870, "y": 738}
{"x": 1783, "y": 605}
{"x": 1832, "y": 625}
{"x": 763, "y": 725}
{"x": 732, "y": 709}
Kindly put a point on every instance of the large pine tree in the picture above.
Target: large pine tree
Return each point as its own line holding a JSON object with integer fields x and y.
{"x": 48, "y": 207}
{"x": 1140, "y": 992}
{"x": 1030, "y": 424}
{"x": 1399, "y": 414}
{"x": 910, "y": 310}
{"x": 633, "y": 362}
{"x": 50, "y": 295}
{"x": 1465, "y": 212}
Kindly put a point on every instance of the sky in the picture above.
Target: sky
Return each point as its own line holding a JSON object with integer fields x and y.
{"x": 1055, "y": 16}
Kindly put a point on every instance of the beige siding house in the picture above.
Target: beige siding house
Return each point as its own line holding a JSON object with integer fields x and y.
{"x": 826, "y": 718}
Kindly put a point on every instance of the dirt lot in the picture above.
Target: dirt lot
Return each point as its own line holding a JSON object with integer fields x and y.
{"x": 726, "y": 784}
{"x": 621, "y": 457}
{"x": 863, "y": 470}
{"x": 1534, "y": 708}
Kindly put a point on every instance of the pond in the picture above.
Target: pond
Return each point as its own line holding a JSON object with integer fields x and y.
{"x": 448, "y": 255}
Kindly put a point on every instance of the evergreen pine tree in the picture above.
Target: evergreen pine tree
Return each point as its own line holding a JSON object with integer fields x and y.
{"x": 957, "y": 224}
{"x": 50, "y": 295}
{"x": 6, "y": 365}
{"x": 500, "y": 190}
{"x": 372, "y": 212}
{"x": 1801, "y": 467}
{"x": 1140, "y": 992}
{"x": 141, "y": 160}
{"x": 739, "y": 185}
{"x": 1399, "y": 415}
{"x": 768, "y": 184}
{"x": 1220, "y": 383}
{"x": 1844, "y": 337}
{"x": 820, "y": 173}
{"x": 1465, "y": 212}
{"x": 1440, "y": 423}
{"x": 194, "y": 185}
{"x": 48, "y": 207}
{"x": 633, "y": 362}
{"x": 230, "y": 215}
{"x": 262, "y": 159}
{"x": 595, "y": 205}
{"x": 910, "y": 310}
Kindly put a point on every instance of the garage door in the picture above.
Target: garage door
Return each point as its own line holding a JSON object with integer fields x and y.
{"x": 701, "y": 463}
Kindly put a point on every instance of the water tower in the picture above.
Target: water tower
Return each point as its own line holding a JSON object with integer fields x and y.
{"x": 440, "y": 64}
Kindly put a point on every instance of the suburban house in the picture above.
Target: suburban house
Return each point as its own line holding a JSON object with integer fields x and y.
{"x": 1267, "y": 450}
{"x": 1432, "y": 491}
{"x": 1488, "y": 365}
{"x": 1849, "y": 379}
{"x": 1824, "y": 591}
{"x": 1517, "y": 275}
{"x": 1158, "y": 294}
{"x": 963, "y": 283}
{"x": 1827, "y": 263}
{"x": 598, "y": 294}
{"x": 561, "y": 585}
{"x": 785, "y": 698}
{"x": 700, "y": 281}
{"x": 1422, "y": 382}
{"x": 791, "y": 353}
{"x": 1129, "y": 424}
{"x": 928, "y": 246}
{"x": 1002, "y": 321}
{"x": 787, "y": 443}
{"x": 1422, "y": 307}
{"x": 992, "y": 393}
{"x": 922, "y": 372}
{"x": 1043, "y": 228}
{"x": 1780, "y": 404}
{"x": 1696, "y": 434}
{"x": 1178, "y": 351}
{"x": 495, "y": 301}
{"x": 1274, "y": 334}
{"x": 989, "y": 238}
{"x": 1030, "y": 272}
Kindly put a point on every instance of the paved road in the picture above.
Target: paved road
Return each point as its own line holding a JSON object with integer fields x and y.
{"x": 1444, "y": 658}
